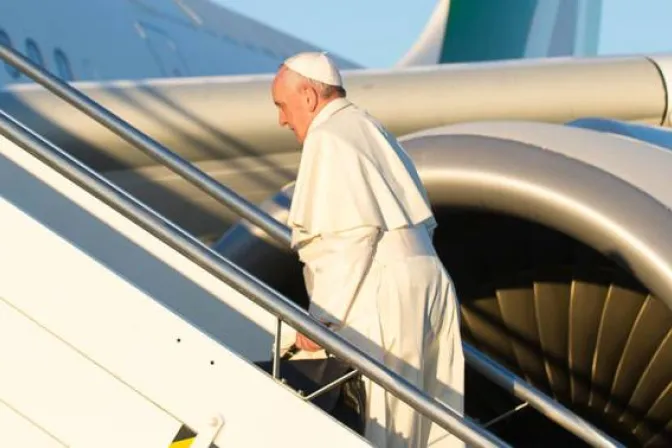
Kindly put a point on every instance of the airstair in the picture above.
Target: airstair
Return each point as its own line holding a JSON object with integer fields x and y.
{"x": 120, "y": 328}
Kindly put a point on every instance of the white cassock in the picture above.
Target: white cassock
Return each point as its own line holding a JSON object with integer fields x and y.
{"x": 362, "y": 224}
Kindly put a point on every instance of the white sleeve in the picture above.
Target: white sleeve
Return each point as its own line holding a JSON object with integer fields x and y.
{"x": 335, "y": 287}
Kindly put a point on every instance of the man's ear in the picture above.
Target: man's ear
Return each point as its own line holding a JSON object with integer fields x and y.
{"x": 312, "y": 98}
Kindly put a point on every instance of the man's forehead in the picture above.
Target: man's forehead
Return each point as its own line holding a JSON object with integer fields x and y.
{"x": 276, "y": 89}
{"x": 278, "y": 80}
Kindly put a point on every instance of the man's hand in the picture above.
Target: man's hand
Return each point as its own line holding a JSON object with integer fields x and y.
{"x": 306, "y": 344}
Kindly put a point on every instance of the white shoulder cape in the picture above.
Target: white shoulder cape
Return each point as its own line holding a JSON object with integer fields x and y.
{"x": 354, "y": 174}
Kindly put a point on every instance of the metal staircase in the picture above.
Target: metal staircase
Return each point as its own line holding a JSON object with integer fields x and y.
{"x": 282, "y": 308}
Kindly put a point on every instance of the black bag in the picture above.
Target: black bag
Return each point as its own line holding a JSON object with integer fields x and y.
{"x": 345, "y": 402}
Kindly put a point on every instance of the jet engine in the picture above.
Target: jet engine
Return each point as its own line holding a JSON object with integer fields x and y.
{"x": 558, "y": 240}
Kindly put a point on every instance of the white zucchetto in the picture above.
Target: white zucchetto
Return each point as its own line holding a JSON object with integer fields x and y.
{"x": 316, "y": 66}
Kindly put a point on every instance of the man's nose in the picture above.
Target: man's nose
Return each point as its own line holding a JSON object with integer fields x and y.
{"x": 282, "y": 119}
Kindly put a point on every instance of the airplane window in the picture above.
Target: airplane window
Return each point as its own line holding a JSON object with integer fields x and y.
{"x": 33, "y": 52}
{"x": 7, "y": 42}
{"x": 63, "y": 65}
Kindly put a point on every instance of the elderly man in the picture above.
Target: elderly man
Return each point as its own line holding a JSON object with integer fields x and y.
{"x": 362, "y": 224}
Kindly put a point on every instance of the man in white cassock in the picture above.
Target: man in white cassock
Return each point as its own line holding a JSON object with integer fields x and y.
{"x": 362, "y": 225}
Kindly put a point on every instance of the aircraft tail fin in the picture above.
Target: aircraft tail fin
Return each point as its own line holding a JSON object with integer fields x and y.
{"x": 489, "y": 30}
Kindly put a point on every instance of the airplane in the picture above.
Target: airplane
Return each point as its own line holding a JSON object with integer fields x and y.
{"x": 546, "y": 164}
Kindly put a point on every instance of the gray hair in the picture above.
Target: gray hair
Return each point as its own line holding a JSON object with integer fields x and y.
{"x": 326, "y": 90}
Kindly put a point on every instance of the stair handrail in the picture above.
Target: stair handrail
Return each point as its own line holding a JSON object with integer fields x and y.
{"x": 537, "y": 399}
{"x": 243, "y": 282}
{"x": 148, "y": 145}
{"x": 281, "y": 233}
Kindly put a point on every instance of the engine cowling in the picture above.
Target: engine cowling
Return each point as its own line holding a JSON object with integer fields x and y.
{"x": 557, "y": 238}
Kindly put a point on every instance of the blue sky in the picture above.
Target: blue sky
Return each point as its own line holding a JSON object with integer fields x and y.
{"x": 376, "y": 33}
